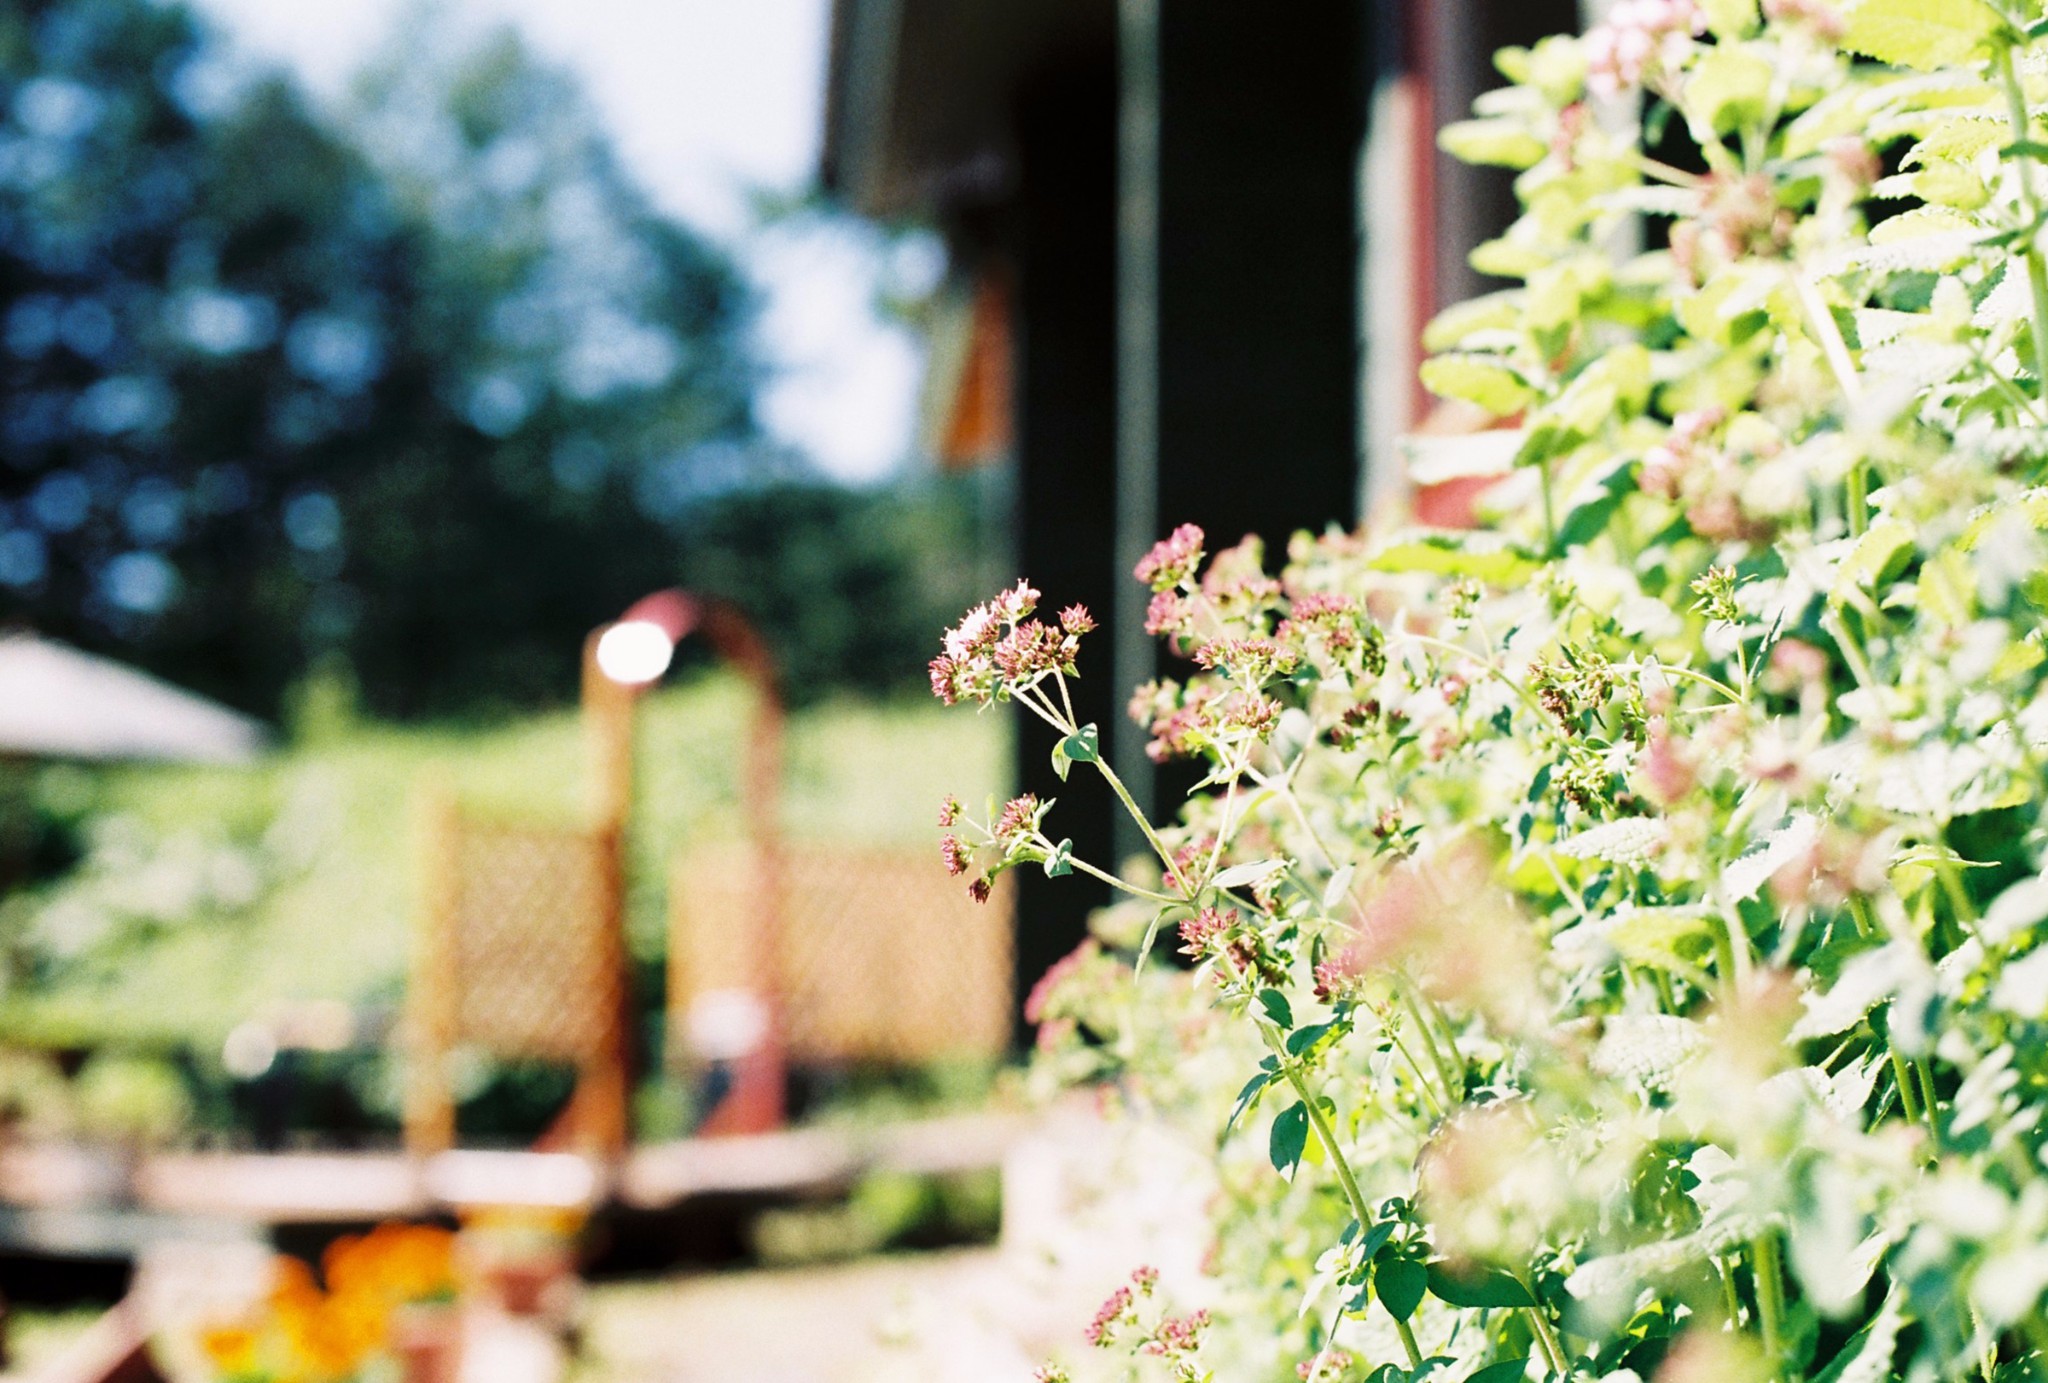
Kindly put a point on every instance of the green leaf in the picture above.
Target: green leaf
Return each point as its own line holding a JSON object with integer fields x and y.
{"x": 1246, "y": 1098}
{"x": 1867, "y": 1356}
{"x": 1477, "y": 379}
{"x": 1061, "y": 760}
{"x": 1400, "y": 1283}
{"x": 1730, "y": 87}
{"x": 1878, "y": 556}
{"x": 1594, "y": 503}
{"x": 1473, "y": 1286}
{"x": 1305, "y": 1040}
{"x": 1487, "y": 557}
{"x": 1921, "y": 34}
{"x": 1501, "y": 143}
{"x": 1500, "y": 311}
{"x": 1289, "y": 1139}
{"x": 1276, "y": 1006}
{"x": 1730, "y": 18}
{"x": 1506, "y": 1371}
{"x": 1239, "y": 875}
{"x": 1083, "y": 746}
{"x": 1060, "y": 863}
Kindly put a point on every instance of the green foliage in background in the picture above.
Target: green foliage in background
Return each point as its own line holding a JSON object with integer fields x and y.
{"x": 426, "y": 382}
{"x": 848, "y": 586}
{"x": 208, "y": 897}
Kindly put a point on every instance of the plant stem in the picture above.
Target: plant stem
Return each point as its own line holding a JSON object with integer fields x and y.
{"x": 1083, "y": 867}
{"x": 1770, "y": 1298}
{"x": 1320, "y": 1122}
{"x": 1549, "y": 510}
{"x": 1546, "y": 1338}
{"x": 1928, "y": 1100}
{"x": 1908, "y": 1100}
{"x": 1327, "y": 1136}
{"x": 1123, "y": 795}
{"x": 1412, "y": 1001}
{"x": 2037, "y": 268}
{"x": 1408, "y": 1343}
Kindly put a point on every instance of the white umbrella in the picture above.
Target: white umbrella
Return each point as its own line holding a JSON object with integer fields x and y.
{"x": 56, "y": 702}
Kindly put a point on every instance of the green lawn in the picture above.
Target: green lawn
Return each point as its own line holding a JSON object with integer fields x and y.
{"x": 215, "y": 892}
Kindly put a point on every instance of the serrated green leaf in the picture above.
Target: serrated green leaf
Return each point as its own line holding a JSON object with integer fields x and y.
{"x": 1288, "y": 1139}
{"x": 1921, "y": 34}
{"x": 1400, "y": 1283}
{"x": 1477, "y": 379}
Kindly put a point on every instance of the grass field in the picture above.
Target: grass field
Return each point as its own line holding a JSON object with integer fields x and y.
{"x": 213, "y": 893}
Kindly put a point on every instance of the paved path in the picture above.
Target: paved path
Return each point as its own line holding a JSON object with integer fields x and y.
{"x": 928, "y": 1318}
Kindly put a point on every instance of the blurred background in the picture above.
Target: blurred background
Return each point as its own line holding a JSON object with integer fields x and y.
{"x": 363, "y": 366}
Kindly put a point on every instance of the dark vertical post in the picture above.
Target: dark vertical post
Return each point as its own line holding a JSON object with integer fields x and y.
{"x": 1255, "y": 322}
{"x": 1137, "y": 379}
{"x": 1063, "y": 243}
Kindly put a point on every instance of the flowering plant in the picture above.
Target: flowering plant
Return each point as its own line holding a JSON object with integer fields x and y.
{"x": 307, "y": 1332}
{"x": 1624, "y": 925}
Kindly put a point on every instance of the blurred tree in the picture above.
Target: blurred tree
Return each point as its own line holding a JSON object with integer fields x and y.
{"x": 433, "y": 395}
{"x": 852, "y": 587}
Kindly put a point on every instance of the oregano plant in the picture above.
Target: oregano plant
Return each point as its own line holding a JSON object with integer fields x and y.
{"x": 1615, "y": 935}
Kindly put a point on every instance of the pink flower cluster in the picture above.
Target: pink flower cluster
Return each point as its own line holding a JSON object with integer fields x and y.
{"x": 1172, "y": 560}
{"x": 1119, "y": 1310}
{"x": 1638, "y": 39}
{"x": 1177, "y": 1336}
{"x": 997, "y": 647}
{"x": 1327, "y": 1364}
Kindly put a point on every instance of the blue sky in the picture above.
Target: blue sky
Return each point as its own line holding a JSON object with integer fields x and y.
{"x": 706, "y": 99}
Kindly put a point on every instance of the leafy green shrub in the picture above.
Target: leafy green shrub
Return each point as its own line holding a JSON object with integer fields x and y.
{"x": 1622, "y": 929}
{"x": 131, "y": 1099}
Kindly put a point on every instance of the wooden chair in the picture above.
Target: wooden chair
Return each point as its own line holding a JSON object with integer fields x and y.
{"x": 883, "y": 957}
{"x": 519, "y": 954}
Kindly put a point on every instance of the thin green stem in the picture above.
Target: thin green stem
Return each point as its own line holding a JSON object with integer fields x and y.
{"x": 1770, "y": 1298}
{"x": 1320, "y": 1122}
{"x": 1909, "y": 1100}
{"x": 1929, "y": 1101}
{"x": 1327, "y": 1137}
{"x": 1412, "y": 1000}
{"x": 1549, "y": 509}
{"x": 2037, "y": 268}
{"x": 1546, "y": 1336}
{"x": 1123, "y": 795}
{"x": 1083, "y": 867}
